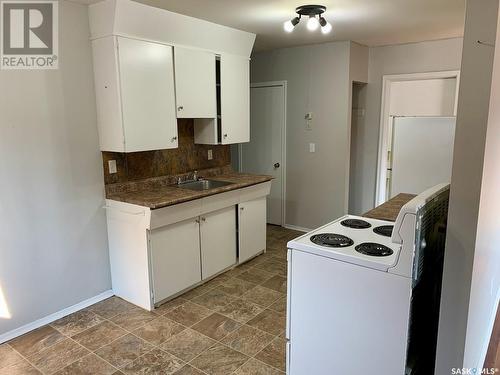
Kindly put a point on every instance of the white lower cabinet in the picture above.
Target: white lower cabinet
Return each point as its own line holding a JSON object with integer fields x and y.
{"x": 252, "y": 228}
{"x": 218, "y": 241}
{"x": 175, "y": 258}
{"x": 157, "y": 254}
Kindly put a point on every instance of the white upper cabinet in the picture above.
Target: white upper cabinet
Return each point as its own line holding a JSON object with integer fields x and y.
{"x": 195, "y": 88}
{"x": 235, "y": 99}
{"x": 135, "y": 93}
{"x": 138, "y": 49}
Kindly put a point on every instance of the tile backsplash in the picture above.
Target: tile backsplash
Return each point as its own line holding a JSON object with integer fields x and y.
{"x": 187, "y": 157}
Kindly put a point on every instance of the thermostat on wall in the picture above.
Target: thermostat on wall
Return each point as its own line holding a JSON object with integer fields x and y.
{"x": 308, "y": 117}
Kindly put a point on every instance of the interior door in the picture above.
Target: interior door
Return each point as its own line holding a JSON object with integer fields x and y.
{"x": 175, "y": 258}
{"x": 422, "y": 153}
{"x": 218, "y": 241}
{"x": 148, "y": 95}
{"x": 263, "y": 154}
{"x": 195, "y": 83}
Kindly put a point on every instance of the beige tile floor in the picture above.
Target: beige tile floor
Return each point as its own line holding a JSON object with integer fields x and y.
{"x": 234, "y": 324}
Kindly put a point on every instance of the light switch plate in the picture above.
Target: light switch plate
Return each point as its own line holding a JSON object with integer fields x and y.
{"x": 210, "y": 155}
{"x": 112, "y": 166}
{"x": 312, "y": 147}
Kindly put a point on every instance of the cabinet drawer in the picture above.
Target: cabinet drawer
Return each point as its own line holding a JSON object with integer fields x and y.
{"x": 173, "y": 214}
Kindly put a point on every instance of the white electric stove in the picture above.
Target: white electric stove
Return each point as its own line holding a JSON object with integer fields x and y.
{"x": 353, "y": 239}
{"x": 358, "y": 290}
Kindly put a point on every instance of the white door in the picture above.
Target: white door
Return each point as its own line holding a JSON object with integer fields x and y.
{"x": 235, "y": 99}
{"x": 195, "y": 83}
{"x": 218, "y": 241}
{"x": 263, "y": 154}
{"x": 251, "y": 228}
{"x": 422, "y": 153}
{"x": 147, "y": 94}
{"x": 175, "y": 258}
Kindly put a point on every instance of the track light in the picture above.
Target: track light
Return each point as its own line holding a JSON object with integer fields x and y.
{"x": 312, "y": 23}
{"x": 315, "y": 19}
{"x": 290, "y": 25}
{"x": 326, "y": 27}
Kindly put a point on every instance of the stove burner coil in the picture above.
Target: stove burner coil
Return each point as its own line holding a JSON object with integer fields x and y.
{"x": 331, "y": 240}
{"x": 384, "y": 230}
{"x": 373, "y": 249}
{"x": 355, "y": 223}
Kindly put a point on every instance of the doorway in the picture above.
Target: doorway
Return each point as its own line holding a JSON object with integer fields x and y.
{"x": 433, "y": 94}
{"x": 266, "y": 151}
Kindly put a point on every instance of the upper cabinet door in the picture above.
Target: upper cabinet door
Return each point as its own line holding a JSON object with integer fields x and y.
{"x": 195, "y": 83}
{"x": 235, "y": 99}
{"x": 147, "y": 95}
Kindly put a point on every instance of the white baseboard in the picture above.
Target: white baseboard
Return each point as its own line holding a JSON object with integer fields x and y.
{"x": 53, "y": 317}
{"x": 294, "y": 227}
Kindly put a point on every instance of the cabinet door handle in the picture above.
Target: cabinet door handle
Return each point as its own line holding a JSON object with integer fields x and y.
{"x": 242, "y": 208}
{"x": 179, "y": 108}
{"x": 276, "y": 165}
{"x": 174, "y": 139}
{"x": 225, "y": 135}
{"x": 203, "y": 219}
{"x": 197, "y": 221}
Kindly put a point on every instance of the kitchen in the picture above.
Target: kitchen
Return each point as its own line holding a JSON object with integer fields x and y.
{"x": 111, "y": 156}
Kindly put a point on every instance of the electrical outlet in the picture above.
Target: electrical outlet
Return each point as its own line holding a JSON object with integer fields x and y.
{"x": 112, "y": 166}
{"x": 312, "y": 147}
{"x": 210, "y": 155}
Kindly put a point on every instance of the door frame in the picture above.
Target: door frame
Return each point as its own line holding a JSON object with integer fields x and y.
{"x": 387, "y": 81}
{"x": 284, "y": 85}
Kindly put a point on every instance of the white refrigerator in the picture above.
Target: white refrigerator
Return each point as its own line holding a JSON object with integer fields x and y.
{"x": 421, "y": 153}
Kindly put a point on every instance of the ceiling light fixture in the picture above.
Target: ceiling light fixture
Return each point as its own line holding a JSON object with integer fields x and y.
{"x": 316, "y": 19}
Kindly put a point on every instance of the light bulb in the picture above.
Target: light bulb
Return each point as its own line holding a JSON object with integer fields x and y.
{"x": 312, "y": 23}
{"x": 288, "y": 26}
{"x": 326, "y": 28}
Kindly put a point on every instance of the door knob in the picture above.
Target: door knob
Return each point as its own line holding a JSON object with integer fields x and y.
{"x": 276, "y": 165}
{"x": 174, "y": 139}
{"x": 180, "y": 108}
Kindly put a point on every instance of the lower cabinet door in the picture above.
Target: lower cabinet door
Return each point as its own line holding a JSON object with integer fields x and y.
{"x": 252, "y": 228}
{"x": 218, "y": 241}
{"x": 175, "y": 258}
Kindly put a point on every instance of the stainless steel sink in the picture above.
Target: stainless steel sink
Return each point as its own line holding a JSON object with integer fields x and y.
{"x": 203, "y": 185}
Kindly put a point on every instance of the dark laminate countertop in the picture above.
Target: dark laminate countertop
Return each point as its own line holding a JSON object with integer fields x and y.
{"x": 161, "y": 196}
{"x": 390, "y": 209}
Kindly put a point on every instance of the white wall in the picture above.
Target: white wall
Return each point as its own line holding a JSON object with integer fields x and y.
{"x": 53, "y": 242}
{"x": 485, "y": 289}
{"x": 318, "y": 82}
{"x": 429, "y": 97}
{"x": 472, "y": 257}
{"x": 406, "y": 58}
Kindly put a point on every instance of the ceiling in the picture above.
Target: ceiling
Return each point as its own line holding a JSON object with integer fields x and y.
{"x": 368, "y": 22}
